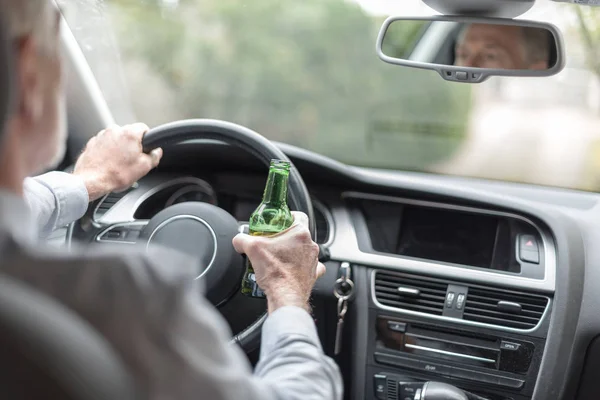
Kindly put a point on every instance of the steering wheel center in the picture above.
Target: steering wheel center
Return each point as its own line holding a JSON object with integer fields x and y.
{"x": 204, "y": 232}
{"x": 189, "y": 234}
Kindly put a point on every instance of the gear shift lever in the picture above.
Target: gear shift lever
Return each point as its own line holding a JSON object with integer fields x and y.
{"x": 443, "y": 391}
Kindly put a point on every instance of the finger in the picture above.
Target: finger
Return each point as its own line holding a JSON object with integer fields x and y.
{"x": 155, "y": 156}
{"x": 112, "y": 128}
{"x": 240, "y": 242}
{"x": 300, "y": 218}
{"x": 139, "y": 129}
{"x": 321, "y": 270}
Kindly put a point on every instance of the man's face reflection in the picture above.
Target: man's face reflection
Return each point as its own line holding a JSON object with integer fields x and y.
{"x": 494, "y": 46}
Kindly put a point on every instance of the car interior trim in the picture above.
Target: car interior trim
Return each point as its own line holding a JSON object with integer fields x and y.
{"x": 119, "y": 225}
{"x": 126, "y": 214}
{"x": 329, "y": 219}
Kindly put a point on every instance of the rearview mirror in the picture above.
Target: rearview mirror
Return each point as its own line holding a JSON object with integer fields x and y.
{"x": 469, "y": 49}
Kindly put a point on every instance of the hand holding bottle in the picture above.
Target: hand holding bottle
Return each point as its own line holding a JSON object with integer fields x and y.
{"x": 286, "y": 264}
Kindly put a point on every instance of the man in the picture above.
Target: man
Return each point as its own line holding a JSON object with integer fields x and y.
{"x": 111, "y": 161}
{"x": 503, "y": 47}
{"x": 174, "y": 343}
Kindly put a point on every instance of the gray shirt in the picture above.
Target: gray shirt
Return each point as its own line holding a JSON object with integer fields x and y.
{"x": 55, "y": 199}
{"x": 151, "y": 310}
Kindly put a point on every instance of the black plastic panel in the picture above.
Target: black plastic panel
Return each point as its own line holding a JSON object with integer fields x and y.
{"x": 589, "y": 387}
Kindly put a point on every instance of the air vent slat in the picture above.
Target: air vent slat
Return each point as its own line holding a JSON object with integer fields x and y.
{"x": 421, "y": 287}
{"x": 413, "y": 307}
{"x": 499, "y": 314}
{"x": 531, "y": 303}
{"x": 394, "y": 280}
{"x": 394, "y": 292}
{"x": 108, "y": 202}
{"x": 493, "y": 307}
{"x": 498, "y": 321}
{"x": 482, "y": 306}
{"x": 430, "y": 299}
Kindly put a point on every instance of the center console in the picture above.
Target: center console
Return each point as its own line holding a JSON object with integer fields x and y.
{"x": 448, "y": 323}
{"x": 406, "y": 350}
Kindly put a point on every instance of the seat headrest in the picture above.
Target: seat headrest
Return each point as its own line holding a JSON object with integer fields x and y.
{"x": 48, "y": 352}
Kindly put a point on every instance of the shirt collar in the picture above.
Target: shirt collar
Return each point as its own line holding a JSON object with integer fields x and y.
{"x": 15, "y": 217}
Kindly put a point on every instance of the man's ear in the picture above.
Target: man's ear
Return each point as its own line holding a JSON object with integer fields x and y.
{"x": 29, "y": 91}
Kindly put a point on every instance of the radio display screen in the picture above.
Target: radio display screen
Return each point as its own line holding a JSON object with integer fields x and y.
{"x": 448, "y": 236}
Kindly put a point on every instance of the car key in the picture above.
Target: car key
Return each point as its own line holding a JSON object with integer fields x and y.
{"x": 342, "y": 309}
{"x": 343, "y": 289}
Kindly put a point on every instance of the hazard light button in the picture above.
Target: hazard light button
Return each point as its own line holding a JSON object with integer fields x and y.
{"x": 528, "y": 249}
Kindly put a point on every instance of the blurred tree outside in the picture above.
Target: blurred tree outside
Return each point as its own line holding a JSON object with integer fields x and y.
{"x": 302, "y": 72}
{"x": 589, "y": 29}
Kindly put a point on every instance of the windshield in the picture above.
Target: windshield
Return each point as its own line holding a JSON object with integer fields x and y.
{"x": 306, "y": 73}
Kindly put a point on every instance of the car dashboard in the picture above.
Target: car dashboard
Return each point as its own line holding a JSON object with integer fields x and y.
{"x": 488, "y": 286}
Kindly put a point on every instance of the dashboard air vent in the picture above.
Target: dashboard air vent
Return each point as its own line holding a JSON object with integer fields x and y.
{"x": 322, "y": 223}
{"x": 392, "y": 388}
{"x": 409, "y": 293}
{"x": 108, "y": 201}
{"x": 505, "y": 308}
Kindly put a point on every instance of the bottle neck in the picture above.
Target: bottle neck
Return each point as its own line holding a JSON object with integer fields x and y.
{"x": 276, "y": 188}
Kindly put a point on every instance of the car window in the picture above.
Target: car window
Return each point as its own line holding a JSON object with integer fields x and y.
{"x": 306, "y": 73}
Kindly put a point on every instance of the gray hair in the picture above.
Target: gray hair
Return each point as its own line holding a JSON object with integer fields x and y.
{"x": 29, "y": 17}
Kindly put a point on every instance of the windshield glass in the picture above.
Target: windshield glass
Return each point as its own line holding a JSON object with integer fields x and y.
{"x": 306, "y": 73}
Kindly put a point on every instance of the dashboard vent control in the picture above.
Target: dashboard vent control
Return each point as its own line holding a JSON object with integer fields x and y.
{"x": 409, "y": 293}
{"x": 108, "y": 202}
{"x": 504, "y": 308}
{"x": 392, "y": 389}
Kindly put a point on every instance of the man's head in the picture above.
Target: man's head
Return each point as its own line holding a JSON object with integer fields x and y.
{"x": 502, "y": 47}
{"x": 34, "y": 136}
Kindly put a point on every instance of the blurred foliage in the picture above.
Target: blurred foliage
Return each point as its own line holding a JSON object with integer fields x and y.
{"x": 302, "y": 72}
{"x": 589, "y": 29}
{"x": 401, "y": 37}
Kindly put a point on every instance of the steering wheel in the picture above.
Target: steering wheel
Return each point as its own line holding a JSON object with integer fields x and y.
{"x": 205, "y": 230}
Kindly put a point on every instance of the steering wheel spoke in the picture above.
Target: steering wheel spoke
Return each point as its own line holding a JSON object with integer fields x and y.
{"x": 243, "y": 227}
{"x": 122, "y": 232}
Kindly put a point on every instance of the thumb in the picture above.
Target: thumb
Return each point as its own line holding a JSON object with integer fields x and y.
{"x": 240, "y": 242}
{"x": 321, "y": 270}
{"x": 155, "y": 156}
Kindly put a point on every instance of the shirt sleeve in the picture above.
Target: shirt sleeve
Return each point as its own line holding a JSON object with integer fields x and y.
{"x": 292, "y": 364}
{"x": 55, "y": 200}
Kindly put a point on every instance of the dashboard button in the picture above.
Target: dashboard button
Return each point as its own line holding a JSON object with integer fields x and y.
{"x": 528, "y": 242}
{"x": 450, "y": 299}
{"x": 397, "y": 326}
{"x": 528, "y": 249}
{"x": 509, "y": 346}
{"x": 460, "y": 301}
{"x": 409, "y": 389}
{"x": 379, "y": 383}
{"x": 530, "y": 256}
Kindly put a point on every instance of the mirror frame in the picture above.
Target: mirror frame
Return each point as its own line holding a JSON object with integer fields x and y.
{"x": 474, "y": 75}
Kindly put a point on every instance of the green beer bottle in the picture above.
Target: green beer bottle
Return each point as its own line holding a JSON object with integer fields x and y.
{"x": 272, "y": 216}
